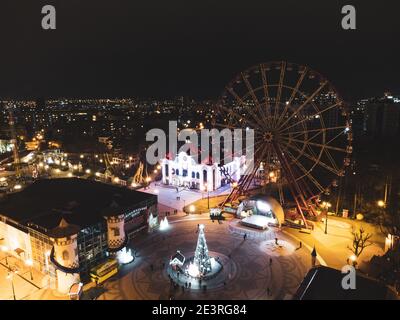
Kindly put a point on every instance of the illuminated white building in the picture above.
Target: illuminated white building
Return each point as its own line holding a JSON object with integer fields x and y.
{"x": 184, "y": 171}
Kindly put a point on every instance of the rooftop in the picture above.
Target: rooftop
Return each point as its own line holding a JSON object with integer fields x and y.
{"x": 80, "y": 202}
{"x": 323, "y": 283}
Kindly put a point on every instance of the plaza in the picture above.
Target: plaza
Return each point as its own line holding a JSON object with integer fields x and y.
{"x": 254, "y": 268}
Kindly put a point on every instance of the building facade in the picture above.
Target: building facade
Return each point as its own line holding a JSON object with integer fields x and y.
{"x": 81, "y": 225}
{"x": 184, "y": 171}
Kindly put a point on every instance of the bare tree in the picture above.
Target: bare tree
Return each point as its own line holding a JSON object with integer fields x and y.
{"x": 360, "y": 241}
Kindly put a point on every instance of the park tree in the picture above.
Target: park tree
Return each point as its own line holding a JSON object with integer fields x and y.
{"x": 360, "y": 241}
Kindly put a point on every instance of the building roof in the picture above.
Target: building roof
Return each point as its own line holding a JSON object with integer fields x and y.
{"x": 179, "y": 256}
{"x": 63, "y": 230}
{"x": 323, "y": 283}
{"x": 81, "y": 202}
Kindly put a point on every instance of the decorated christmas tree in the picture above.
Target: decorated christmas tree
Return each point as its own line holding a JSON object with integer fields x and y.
{"x": 201, "y": 257}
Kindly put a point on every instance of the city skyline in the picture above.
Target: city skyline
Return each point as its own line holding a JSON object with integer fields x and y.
{"x": 171, "y": 49}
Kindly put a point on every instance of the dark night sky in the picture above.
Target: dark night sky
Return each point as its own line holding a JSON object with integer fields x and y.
{"x": 160, "y": 48}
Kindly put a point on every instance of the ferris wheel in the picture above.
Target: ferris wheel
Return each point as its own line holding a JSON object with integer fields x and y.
{"x": 302, "y": 132}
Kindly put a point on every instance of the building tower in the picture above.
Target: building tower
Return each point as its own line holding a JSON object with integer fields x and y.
{"x": 201, "y": 257}
{"x": 64, "y": 255}
{"x": 115, "y": 227}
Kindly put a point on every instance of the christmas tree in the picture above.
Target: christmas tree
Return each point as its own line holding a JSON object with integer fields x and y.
{"x": 201, "y": 257}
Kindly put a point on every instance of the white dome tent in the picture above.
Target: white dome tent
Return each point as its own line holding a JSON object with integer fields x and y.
{"x": 260, "y": 212}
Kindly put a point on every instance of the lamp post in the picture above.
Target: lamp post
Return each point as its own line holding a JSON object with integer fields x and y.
{"x": 29, "y": 263}
{"x": 10, "y": 276}
{"x": 326, "y": 206}
{"x": 208, "y": 195}
{"x": 381, "y": 204}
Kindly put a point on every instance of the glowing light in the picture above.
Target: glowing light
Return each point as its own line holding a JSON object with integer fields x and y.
{"x": 69, "y": 175}
{"x": 381, "y": 203}
{"x": 81, "y": 156}
{"x": 193, "y": 270}
{"x": 125, "y": 256}
{"x": 134, "y": 185}
{"x": 353, "y": 258}
{"x": 158, "y": 167}
{"x": 88, "y": 171}
{"x": 263, "y": 206}
{"x": 148, "y": 179}
{"x": 2, "y": 179}
{"x": 156, "y": 191}
{"x": 164, "y": 224}
{"x": 272, "y": 174}
{"x": 326, "y": 205}
{"x": 116, "y": 180}
{"x": 29, "y": 262}
{"x": 192, "y": 208}
{"x": 17, "y": 187}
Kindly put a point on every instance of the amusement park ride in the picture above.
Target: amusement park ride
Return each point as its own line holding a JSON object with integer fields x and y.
{"x": 302, "y": 133}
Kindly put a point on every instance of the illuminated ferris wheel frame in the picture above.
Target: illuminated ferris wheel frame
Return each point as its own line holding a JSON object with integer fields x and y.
{"x": 294, "y": 137}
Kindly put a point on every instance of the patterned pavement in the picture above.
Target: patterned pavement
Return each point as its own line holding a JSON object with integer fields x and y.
{"x": 257, "y": 268}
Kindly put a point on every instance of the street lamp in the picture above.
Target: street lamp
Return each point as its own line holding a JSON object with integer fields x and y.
{"x": 202, "y": 189}
{"x": 353, "y": 259}
{"x": 29, "y": 263}
{"x": 10, "y": 276}
{"x": 381, "y": 204}
{"x": 326, "y": 205}
{"x": 208, "y": 194}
